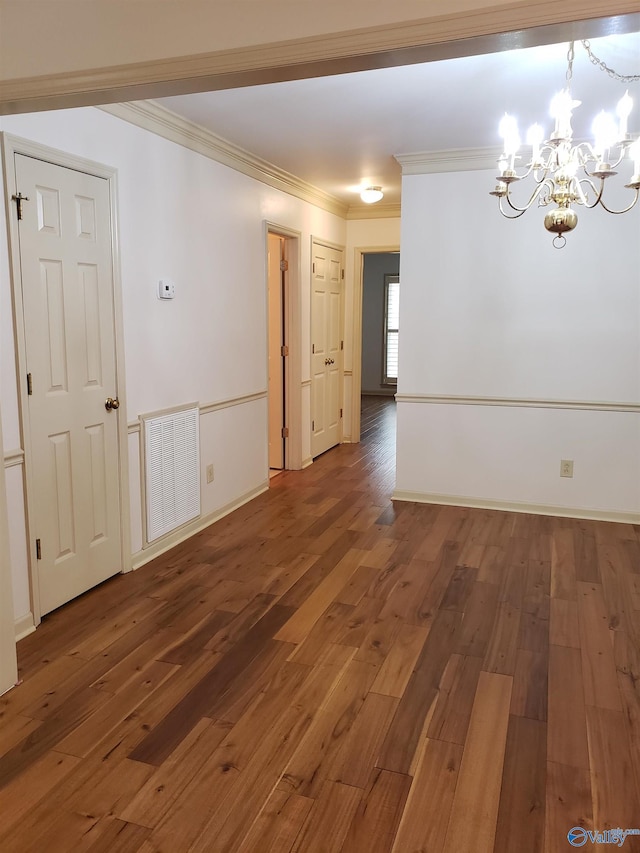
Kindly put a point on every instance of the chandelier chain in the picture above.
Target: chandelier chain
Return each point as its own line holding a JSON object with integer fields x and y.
{"x": 623, "y": 78}
{"x": 570, "y": 57}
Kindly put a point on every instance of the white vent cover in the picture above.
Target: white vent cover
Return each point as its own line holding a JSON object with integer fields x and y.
{"x": 172, "y": 470}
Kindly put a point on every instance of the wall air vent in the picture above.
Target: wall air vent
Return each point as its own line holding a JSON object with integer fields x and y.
{"x": 171, "y": 470}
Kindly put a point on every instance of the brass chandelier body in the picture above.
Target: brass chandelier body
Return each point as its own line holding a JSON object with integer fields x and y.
{"x": 556, "y": 162}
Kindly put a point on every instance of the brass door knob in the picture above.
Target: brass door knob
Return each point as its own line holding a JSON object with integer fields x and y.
{"x": 111, "y": 403}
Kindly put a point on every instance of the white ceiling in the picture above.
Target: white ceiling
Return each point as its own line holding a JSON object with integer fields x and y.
{"x": 341, "y": 132}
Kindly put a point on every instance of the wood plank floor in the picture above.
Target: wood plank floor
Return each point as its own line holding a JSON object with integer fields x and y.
{"x": 325, "y": 671}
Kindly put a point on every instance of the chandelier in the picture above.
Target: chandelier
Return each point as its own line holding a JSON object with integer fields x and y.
{"x": 565, "y": 173}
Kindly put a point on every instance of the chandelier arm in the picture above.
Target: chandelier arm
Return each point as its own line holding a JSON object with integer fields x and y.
{"x": 611, "y": 165}
{"x": 597, "y": 192}
{"x": 533, "y": 197}
{"x": 626, "y": 209}
{"x": 507, "y": 215}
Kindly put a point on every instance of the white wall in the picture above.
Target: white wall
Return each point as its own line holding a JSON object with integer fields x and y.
{"x": 184, "y": 217}
{"x": 490, "y": 309}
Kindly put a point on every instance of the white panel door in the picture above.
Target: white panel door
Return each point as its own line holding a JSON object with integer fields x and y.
{"x": 67, "y": 288}
{"x": 326, "y": 357}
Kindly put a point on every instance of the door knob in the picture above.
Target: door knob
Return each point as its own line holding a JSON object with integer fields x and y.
{"x": 111, "y": 403}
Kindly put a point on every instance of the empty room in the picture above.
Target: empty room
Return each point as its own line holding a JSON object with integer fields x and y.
{"x": 320, "y": 503}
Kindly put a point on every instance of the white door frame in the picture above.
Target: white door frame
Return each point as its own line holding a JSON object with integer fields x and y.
{"x": 15, "y": 145}
{"x": 358, "y": 290}
{"x": 8, "y": 662}
{"x": 293, "y": 330}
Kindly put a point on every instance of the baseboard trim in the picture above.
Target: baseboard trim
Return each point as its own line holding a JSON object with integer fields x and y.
{"x": 517, "y": 506}
{"x": 141, "y": 558}
{"x": 306, "y": 462}
{"x": 24, "y": 626}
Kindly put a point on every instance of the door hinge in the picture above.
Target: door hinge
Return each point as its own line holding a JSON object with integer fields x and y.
{"x": 29, "y": 384}
{"x": 284, "y": 350}
{"x": 342, "y": 274}
{"x": 38, "y": 550}
{"x": 19, "y": 198}
{"x": 341, "y": 344}
{"x": 340, "y": 412}
{"x": 313, "y": 267}
{"x": 284, "y": 265}
{"x": 313, "y": 425}
{"x": 285, "y": 432}
{"x": 313, "y": 348}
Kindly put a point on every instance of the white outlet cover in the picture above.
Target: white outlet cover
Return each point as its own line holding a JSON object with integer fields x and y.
{"x": 166, "y": 289}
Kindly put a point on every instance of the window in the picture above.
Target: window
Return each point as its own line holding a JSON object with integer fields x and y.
{"x": 391, "y": 318}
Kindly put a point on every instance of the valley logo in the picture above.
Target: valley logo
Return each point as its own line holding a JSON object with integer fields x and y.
{"x": 578, "y": 836}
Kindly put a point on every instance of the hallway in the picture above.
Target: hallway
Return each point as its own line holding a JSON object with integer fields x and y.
{"x": 325, "y": 670}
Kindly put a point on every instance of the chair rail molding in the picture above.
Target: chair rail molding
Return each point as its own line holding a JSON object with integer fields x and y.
{"x": 519, "y": 402}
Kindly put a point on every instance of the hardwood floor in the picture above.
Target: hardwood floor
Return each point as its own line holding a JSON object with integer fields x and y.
{"x": 325, "y": 671}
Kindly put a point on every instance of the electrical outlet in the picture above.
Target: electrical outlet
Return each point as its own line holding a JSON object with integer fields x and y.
{"x": 166, "y": 289}
{"x": 209, "y": 473}
{"x": 566, "y": 467}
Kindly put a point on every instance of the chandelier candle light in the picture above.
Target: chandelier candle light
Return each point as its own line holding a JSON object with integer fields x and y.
{"x": 556, "y": 163}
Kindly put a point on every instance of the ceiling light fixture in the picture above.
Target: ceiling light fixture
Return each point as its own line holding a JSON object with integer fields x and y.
{"x": 555, "y": 163}
{"x": 370, "y": 195}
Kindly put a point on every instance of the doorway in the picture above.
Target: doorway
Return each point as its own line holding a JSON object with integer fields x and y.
{"x": 277, "y": 269}
{"x": 284, "y": 348}
{"x": 380, "y": 291}
{"x": 69, "y": 353}
{"x": 355, "y": 397}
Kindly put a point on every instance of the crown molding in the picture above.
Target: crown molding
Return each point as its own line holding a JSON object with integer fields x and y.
{"x": 453, "y": 160}
{"x": 163, "y": 122}
{"x": 502, "y": 26}
{"x": 373, "y": 211}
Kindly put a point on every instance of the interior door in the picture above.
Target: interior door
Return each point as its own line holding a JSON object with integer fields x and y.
{"x": 275, "y": 247}
{"x": 67, "y": 289}
{"x": 326, "y": 357}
